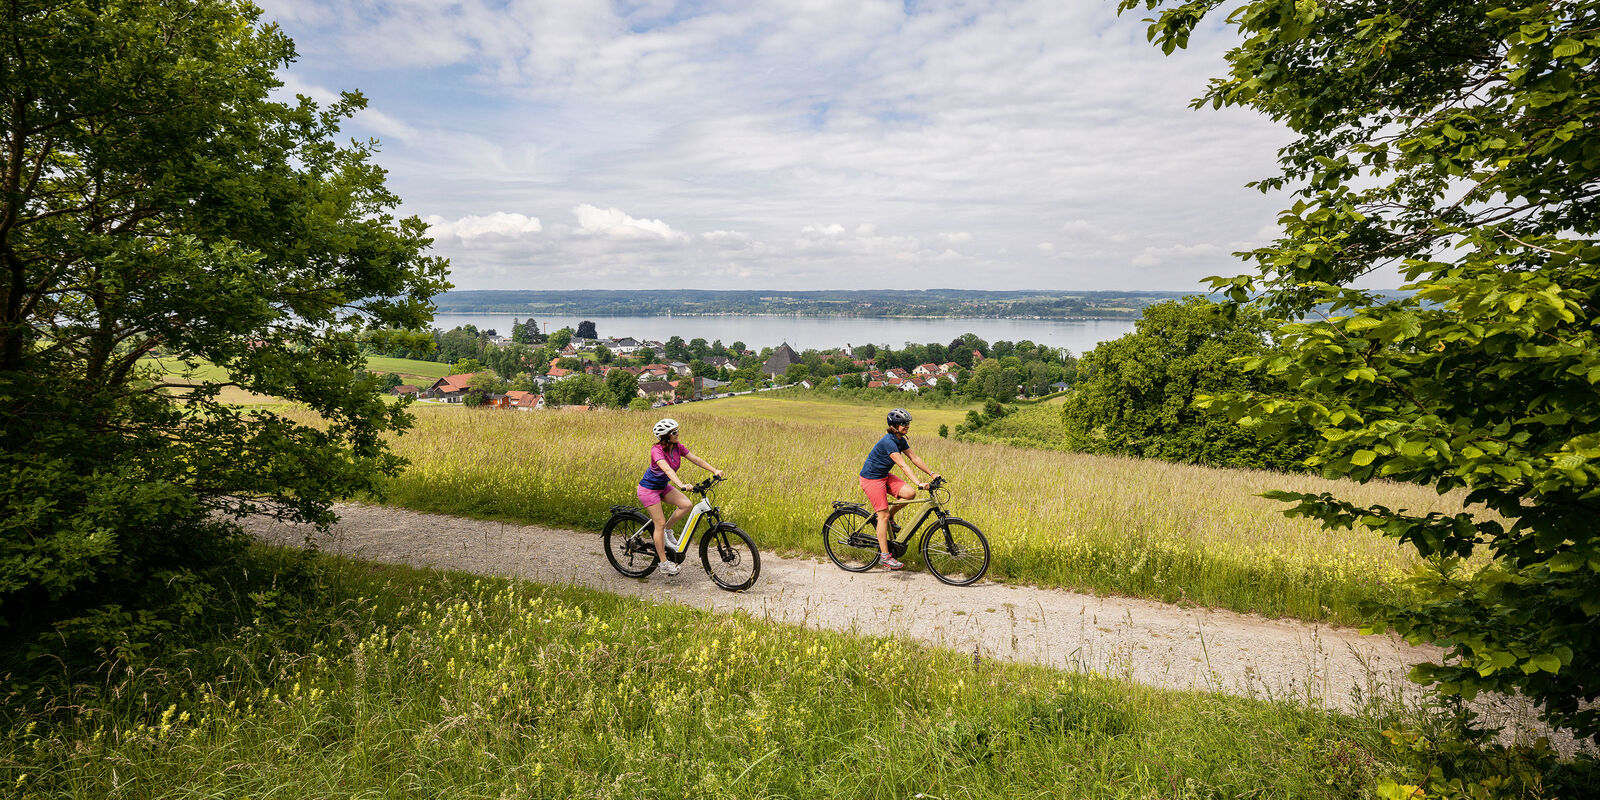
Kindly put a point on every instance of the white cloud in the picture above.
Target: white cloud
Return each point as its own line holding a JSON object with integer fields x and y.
{"x": 472, "y": 227}
{"x": 956, "y": 138}
{"x": 1204, "y": 253}
{"x": 613, "y": 222}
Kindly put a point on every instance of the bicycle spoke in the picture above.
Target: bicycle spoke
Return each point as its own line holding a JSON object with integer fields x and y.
{"x": 850, "y": 538}
{"x": 956, "y": 553}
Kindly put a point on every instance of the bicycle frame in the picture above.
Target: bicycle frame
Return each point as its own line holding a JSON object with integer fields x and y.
{"x": 935, "y": 511}
{"x": 690, "y": 525}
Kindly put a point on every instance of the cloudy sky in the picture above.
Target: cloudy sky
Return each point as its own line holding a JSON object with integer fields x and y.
{"x": 1014, "y": 144}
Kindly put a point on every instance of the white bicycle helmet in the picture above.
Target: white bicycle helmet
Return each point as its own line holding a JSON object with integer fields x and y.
{"x": 665, "y": 426}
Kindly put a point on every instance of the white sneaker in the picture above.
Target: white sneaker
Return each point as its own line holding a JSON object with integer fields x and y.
{"x": 669, "y": 567}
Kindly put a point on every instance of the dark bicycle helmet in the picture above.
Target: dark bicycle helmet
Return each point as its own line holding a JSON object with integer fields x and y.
{"x": 899, "y": 416}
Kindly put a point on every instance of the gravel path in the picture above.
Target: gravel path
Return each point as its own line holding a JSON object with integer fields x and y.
{"x": 1141, "y": 640}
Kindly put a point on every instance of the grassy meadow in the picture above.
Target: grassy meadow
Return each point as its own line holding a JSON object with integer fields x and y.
{"x": 422, "y": 684}
{"x": 1037, "y": 425}
{"x": 418, "y": 373}
{"x": 1103, "y": 524}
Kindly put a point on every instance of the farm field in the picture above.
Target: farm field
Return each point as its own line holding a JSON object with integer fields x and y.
{"x": 1029, "y": 426}
{"x": 1102, "y": 524}
{"x": 809, "y": 408}
{"x": 417, "y": 683}
{"x": 416, "y": 372}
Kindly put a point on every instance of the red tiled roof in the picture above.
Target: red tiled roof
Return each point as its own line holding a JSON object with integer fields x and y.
{"x": 454, "y": 383}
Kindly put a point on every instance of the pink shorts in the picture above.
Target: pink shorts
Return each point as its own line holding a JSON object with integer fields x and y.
{"x": 650, "y": 497}
{"x": 878, "y": 490}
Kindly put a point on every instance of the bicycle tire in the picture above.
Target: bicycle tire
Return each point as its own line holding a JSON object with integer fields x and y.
{"x": 727, "y": 566}
{"x": 843, "y": 526}
{"x": 622, "y": 528}
{"x": 956, "y": 552}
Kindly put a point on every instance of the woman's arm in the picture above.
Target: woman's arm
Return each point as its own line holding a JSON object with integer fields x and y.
{"x": 672, "y": 474}
{"x": 700, "y": 462}
{"x": 920, "y": 464}
{"x": 901, "y": 460}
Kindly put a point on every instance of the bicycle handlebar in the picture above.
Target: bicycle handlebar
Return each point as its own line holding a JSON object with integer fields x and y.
{"x": 702, "y": 486}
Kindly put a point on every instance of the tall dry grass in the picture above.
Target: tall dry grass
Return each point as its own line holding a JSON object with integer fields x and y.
{"x": 1103, "y": 524}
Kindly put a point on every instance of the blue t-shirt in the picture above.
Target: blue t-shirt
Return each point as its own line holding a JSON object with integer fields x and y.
{"x": 879, "y": 461}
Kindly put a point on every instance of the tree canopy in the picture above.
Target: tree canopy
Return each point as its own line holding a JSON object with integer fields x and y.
{"x": 1137, "y": 394}
{"x": 160, "y": 214}
{"x": 1454, "y": 142}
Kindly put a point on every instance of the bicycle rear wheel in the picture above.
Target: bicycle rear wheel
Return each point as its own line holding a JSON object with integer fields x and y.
{"x": 956, "y": 552}
{"x": 630, "y": 544}
{"x": 730, "y": 558}
{"x": 850, "y": 537}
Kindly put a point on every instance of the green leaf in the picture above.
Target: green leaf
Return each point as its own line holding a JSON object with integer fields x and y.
{"x": 1362, "y": 458}
{"x": 1566, "y": 562}
{"x": 1546, "y": 662}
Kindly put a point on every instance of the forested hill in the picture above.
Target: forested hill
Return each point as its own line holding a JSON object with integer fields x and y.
{"x": 859, "y": 303}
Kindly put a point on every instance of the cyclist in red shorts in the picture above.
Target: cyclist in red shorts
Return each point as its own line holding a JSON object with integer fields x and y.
{"x": 879, "y": 482}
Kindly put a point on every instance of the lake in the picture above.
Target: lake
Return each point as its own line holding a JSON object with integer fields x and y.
{"x": 821, "y": 333}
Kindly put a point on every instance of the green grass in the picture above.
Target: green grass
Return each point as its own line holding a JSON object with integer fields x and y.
{"x": 1095, "y": 523}
{"x": 407, "y": 367}
{"x": 443, "y": 685}
{"x": 814, "y": 407}
{"x": 1036, "y": 425}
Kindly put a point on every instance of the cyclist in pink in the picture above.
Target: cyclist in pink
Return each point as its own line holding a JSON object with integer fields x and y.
{"x": 657, "y": 485}
{"x": 879, "y": 482}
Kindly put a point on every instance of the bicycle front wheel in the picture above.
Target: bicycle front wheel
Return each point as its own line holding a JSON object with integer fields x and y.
{"x": 956, "y": 552}
{"x": 730, "y": 558}
{"x": 850, "y": 536}
{"x": 630, "y": 544}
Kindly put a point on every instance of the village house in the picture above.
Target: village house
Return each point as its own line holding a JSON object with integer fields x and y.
{"x": 405, "y": 390}
{"x": 450, "y": 388}
{"x": 523, "y": 401}
{"x": 781, "y": 360}
{"x": 623, "y": 346}
{"x": 557, "y": 373}
{"x": 655, "y": 390}
{"x": 681, "y": 368}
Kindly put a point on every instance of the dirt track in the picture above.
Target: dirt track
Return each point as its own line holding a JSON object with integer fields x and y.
{"x": 1141, "y": 640}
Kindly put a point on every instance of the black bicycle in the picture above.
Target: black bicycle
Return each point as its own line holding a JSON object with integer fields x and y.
{"x": 728, "y": 553}
{"x": 954, "y": 550}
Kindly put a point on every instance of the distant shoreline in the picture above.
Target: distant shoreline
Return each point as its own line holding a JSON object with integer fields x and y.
{"x": 603, "y": 315}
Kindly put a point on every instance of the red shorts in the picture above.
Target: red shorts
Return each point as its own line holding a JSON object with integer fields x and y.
{"x": 878, "y": 490}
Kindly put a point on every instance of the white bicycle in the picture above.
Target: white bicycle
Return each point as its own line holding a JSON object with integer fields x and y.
{"x": 728, "y": 553}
